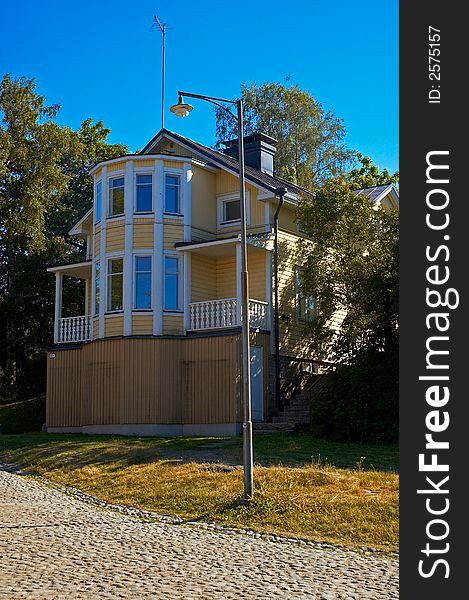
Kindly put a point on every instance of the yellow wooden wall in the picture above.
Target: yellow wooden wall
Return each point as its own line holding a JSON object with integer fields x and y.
{"x": 203, "y": 275}
{"x": 115, "y": 236}
{"x": 148, "y": 380}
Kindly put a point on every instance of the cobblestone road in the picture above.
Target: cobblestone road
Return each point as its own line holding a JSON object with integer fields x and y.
{"x": 53, "y": 546}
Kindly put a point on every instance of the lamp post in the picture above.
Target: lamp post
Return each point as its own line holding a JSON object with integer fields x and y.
{"x": 182, "y": 109}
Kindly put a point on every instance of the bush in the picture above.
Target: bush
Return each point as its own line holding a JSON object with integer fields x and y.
{"x": 23, "y": 417}
{"x": 361, "y": 402}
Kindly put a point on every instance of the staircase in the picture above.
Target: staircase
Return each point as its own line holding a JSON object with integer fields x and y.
{"x": 298, "y": 410}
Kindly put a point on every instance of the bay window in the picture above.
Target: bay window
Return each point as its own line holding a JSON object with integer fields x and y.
{"x": 115, "y": 284}
{"x": 142, "y": 283}
{"x": 172, "y": 194}
{"x": 143, "y": 193}
{"x": 172, "y": 283}
{"x": 116, "y": 196}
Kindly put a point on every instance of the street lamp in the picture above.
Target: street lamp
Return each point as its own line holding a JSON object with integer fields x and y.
{"x": 182, "y": 109}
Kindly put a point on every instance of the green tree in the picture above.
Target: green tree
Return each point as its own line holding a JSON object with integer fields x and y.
{"x": 311, "y": 147}
{"x": 44, "y": 187}
{"x": 353, "y": 268}
{"x": 368, "y": 174}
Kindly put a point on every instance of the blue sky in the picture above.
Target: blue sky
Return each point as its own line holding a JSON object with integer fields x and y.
{"x": 101, "y": 60}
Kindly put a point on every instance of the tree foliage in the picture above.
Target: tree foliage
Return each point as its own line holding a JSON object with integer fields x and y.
{"x": 44, "y": 188}
{"x": 368, "y": 174}
{"x": 311, "y": 147}
{"x": 353, "y": 269}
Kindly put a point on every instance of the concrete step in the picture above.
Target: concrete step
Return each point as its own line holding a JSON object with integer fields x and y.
{"x": 273, "y": 427}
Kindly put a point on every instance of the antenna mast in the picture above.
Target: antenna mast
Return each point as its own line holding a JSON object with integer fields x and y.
{"x": 163, "y": 27}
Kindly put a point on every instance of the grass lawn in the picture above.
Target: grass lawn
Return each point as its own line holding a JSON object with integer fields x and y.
{"x": 306, "y": 487}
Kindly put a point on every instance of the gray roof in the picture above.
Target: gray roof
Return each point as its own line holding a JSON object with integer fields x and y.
{"x": 375, "y": 192}
{"x": 219, "y": 158}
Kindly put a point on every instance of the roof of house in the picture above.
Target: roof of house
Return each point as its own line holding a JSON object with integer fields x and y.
{"x": 221, "y": 159}
{"x": 376, "y": 193}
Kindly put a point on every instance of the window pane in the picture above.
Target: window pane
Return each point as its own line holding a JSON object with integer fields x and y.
{"x": 142, "y": 179}
{"x": 115, "y": 284}
{"x": 144, "y": 193}
{"x": 172, "y": 194}
{"x": 116, "y": 196}
{"x": 232, "y": 210}
{"x": 171, "y": 265}
{"x": 142, "y": 263}
{"x": 171, "y": 292}
{"x": 143, "y": 290}
{"x": 99, "y": 189}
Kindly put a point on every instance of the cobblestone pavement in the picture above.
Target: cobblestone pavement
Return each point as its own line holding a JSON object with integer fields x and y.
{"x": 54, "y": 546}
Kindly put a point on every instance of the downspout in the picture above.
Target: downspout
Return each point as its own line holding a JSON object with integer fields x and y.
{"x": 281, "y": 193}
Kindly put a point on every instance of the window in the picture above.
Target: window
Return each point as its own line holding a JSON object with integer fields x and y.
{"x": 142, "y": 283}
{"x": 143, "y": 194}
{"x": 171, "y": 283}
{"x": 172, "y": 194}
{"x": 305, "y": 304}
{"x": 116, "y": 196}
{"x": 231, "y": 211}
{"x": 97, "y": 287}
{"x": 99, "y": 196}
{"x": 115, "y": 280}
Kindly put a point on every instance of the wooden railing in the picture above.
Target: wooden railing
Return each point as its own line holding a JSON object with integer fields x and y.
{"x": 74, "y": 329}
{"x": 223, "y": 313}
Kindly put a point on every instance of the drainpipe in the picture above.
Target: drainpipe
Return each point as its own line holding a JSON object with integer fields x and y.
{"x": 280, "y": 192}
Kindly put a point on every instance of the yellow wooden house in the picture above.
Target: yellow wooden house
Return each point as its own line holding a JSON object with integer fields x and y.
{"x": 157, "y": 348}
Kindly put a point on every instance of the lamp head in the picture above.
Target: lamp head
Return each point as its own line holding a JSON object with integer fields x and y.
{"x": 181, "y": 109}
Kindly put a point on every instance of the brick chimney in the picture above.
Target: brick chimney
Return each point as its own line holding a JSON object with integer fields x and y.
{"x": 259, "y": 151}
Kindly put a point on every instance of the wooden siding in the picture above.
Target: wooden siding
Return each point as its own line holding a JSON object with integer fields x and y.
{"x": 152, "y": 380}
{"x": 114, "y": 326}
{"x": 173, "y": 232}
{"x": 97, "y": 244}
{"x": 287, "y": 220}
{"x": 115, "y": 236}
{"x": 204, "y": 204}
{"x": 203, "y": 275}
{"x": 174, "y": 164}
{"x": 226, "y": 277}
{"x": 257, "y": 275}
{"x": 143, "y": 163}
{"x": 119, "y": 166}
{"x": 143, "y": 235}
{"x": 142, "y": 324}
{"x": 173, "y": 324}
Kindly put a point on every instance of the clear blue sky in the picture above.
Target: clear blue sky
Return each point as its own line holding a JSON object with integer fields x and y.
{"x": 101, "y": 60}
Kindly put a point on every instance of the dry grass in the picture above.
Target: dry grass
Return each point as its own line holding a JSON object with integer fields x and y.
{"x": 350, "y": 506}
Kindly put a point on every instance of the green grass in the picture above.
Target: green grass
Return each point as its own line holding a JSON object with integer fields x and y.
{"x": 335, "y": 496}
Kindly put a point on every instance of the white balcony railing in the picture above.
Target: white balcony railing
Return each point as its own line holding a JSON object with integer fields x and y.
{"x": 74, "y": 329}
{"x": 223, "y": 313}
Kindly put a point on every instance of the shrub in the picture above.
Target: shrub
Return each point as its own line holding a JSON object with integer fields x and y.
{"x": 23, "y": 417}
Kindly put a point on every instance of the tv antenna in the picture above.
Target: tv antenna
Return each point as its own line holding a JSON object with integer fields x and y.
{"x": 163, "y": 27}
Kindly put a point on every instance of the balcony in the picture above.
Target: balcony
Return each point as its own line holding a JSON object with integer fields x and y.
{"x": 74, "y": 329}
{"x": 225, "y": 313}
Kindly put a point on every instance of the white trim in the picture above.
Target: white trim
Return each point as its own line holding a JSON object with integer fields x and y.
{"x": 102, "y": 254}
{"x": 66, "y": 267}
{"x": 157, "y": 289}
{"x": 137, "y": 157}
{"x": 187, "y": 202}
{"x": 77, "y": 229}
{"x": 187, "y": 288}
{"x": 129, "y": 188}
{"x": 268, "y": 216}
{"x": 221, "y": 200}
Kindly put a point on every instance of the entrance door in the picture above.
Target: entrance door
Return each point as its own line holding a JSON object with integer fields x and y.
{"x": 257, "y": 383}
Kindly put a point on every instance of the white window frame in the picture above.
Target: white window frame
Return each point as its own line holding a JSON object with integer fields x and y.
{"x": 180, "y": 275}
{"x": 147, "y": 254}
{"x": 120, "y": 175}
{"x": 145, "y": 171}
{"x": 179, "y": 174}
{"x": 222, "y": 200}
{"x": 309, "y": 315}
{"x": 98, "y": 202}
{"x": 108, "y": 286}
